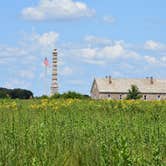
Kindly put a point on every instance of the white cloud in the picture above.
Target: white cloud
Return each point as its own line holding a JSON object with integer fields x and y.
{"x": 30, "y": 48}
{"x": 66, "y": 71}
{"x": 76, "y": 82}
{"x": 158, "y": 49}
{"x": 154, "y": 46}
{"x": 160, "y": 61}
{"x": 11, "y": 52}
{"x": 13, "y": 55}
{"x": 88, "y": 53}
{"x": 47, "y": 39}
{"x": 97, "y": 40}
{"x": 57, "y": 10}
{"x": 17, "y": 83}
{"x": 113, "y": 51}
{"x": 109, "y": 19}
{"x": 27, "y": 74}
{"x": 95, "y": 61}
{"x": 100, "y": 55}
{"x": 151, "y": 59}
{"x": 116, "y": 51}
{"x": 117, "y": 74}
{"x": 163, "y": 59}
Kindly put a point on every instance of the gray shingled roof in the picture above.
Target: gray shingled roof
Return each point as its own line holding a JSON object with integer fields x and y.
{"x": 123, "y": 85}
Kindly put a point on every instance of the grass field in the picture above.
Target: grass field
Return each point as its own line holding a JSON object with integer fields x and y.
{"x": 74, "y": 132}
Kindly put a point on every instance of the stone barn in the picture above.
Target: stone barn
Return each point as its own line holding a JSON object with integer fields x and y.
{"x": 117, "y": 89}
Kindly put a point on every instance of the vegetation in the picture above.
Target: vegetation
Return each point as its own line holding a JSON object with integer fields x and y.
{"x": 66, "y": 95}
{"x": 4, "y": 93}
{"x": 15, "y": 93}
{"x": 134, "y": 93}
{"x": 73, "y": 95}
{"x": 82, "y": 132}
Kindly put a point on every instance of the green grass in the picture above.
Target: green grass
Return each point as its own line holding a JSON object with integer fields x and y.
{"x": 74, "y": 132}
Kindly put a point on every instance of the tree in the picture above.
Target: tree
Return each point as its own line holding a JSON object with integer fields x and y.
{"x": 73, "y": 95}
{"x": 66, "y": 95}
{"x": 4, "y": 93}
{"x": 15, "y": 93}
{"x": 21, "y": 94}
{"x": 56, "y": 96}
{"x": 134, "y": 93}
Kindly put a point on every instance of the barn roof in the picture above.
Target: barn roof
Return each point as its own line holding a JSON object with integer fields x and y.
{"x": 121, "y": 85}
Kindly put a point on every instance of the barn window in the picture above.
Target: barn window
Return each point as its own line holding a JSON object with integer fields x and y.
{"x": 109, "y": 96}
{"x": 145, "y": 97}
{"x": 158, "y": 97}
{"x": 120, "y": 97}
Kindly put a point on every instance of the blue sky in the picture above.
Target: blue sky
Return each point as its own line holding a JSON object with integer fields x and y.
{"x": 123, "y": 39}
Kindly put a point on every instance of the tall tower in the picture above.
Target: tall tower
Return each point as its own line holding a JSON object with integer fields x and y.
{"x": 54, "y": 84}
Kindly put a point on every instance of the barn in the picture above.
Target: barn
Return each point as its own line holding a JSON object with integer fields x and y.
{"x": 117, "y": 89}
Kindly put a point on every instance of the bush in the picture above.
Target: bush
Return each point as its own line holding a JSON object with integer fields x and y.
{"x": 3, "y": 95}
{"x": 15, "y": 93}
{"x": 42, "y": 97}
{"x": 21, "y": 94}
{"x": 56, "y": 96}
{"x": 70, "y": 95}
{"x": 134, "y": 93}
{"x": 73, "y": 95}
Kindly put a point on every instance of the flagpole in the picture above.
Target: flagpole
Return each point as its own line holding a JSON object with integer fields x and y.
{"x": 45, "y": 82}
{"x": 46, "y": 63}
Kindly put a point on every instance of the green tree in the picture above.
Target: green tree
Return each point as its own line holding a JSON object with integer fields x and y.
{"x": 21, "y": 94}
{"x": 4, "y": 93}
{"x": 56, "y": 96}
{"x": 74, "y": 95}
{"x": 134, "y": 93}
{"x": 15, "y": 93}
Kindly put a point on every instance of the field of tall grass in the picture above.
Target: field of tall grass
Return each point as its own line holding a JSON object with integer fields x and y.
{"x": 82, "y": 133}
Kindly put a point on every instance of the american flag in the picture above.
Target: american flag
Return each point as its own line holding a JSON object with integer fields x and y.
{"x": 46, "y": 63}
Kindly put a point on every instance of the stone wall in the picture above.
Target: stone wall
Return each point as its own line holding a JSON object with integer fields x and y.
{"x": 121, "y": 96}
{"x": 113, "y": 96}
{"x": 95, "y": 93}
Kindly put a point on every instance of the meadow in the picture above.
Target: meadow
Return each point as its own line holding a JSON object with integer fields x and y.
{"x": 51, "y": 132}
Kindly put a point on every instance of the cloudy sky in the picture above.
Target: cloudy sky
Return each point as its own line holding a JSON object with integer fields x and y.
{"x": 94, "y": 39}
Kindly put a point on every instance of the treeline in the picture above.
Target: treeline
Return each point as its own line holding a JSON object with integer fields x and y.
{"x": 26, "y": 94}
{"x": 15, "y": 93}
{"x": 66, "y": 95}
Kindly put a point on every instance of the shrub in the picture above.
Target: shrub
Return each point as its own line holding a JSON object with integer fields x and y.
{"x": 21, "y": 94}
{"x": 73, "y": 95}
{"x": 134, "y": 93}
{"x": 15, "y": 93}
{"x": 4, "y": 93}
{"x": 56, "y": 96}
{"x": 66, "y": 95}
{"x": 42, "y": 97}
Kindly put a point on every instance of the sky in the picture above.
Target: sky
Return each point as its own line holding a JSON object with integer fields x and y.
{"x": 94, "y": 38}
